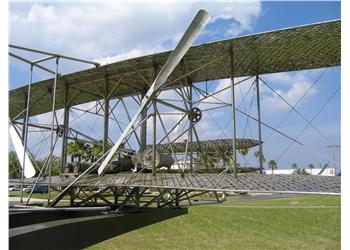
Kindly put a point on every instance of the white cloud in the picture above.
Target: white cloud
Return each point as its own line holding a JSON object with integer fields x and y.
{"x": 122, "y": 56}
{"x": 117, "y": 30}
{"x": 109, "y": 32}
{"x": 243, "y": 13}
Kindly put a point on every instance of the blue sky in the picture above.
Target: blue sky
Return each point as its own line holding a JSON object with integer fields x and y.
{"x": 108, "y": 38}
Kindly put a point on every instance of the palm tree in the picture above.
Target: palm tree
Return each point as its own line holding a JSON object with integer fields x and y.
{"x": 311, "y": 166}
{"x": 243, "y": 151}
{"x": 76, "y": 149}
{"x": 96, "y": 152}
{"x": 257, "y": 155}
{"x": 272, "y": 165}
{"x": 208, "y": 158}
{"x": 294, "y": 166}
{"x": 227, "y": 157}
{"x": 92, "y": 152}
{"x": 300, "y": 171}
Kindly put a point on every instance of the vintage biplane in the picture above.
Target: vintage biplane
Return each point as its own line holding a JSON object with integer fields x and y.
{"x": 128, "y": 170}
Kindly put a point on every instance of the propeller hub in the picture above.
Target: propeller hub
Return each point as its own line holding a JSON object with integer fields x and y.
{"x": 60, "y": 130}
{"x": 195, "y": 115}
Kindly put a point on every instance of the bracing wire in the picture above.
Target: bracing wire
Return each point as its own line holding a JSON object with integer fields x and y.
{"x": 302, "y": 131}
{"x": 300, "y": 114}
{"x": 297, "y": 103}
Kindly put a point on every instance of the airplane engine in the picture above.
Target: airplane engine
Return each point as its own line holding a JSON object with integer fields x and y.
{"x": 121, "y": 165}
{"x": 162, "y": 159}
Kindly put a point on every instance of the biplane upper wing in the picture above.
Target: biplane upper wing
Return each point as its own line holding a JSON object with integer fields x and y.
{"x": 297, "y": 48}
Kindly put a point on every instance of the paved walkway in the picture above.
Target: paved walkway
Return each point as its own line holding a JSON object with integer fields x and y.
{"x": 33, "y": 201}
{"x": 250, "y": 197}
{"x": 269, "y": 207}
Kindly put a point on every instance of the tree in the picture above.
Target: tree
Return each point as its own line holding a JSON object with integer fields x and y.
{"x": 243, "y": 151}
{"x": 92, "y": 152}
{"x": 294, "y": 166}
{"x": 96, "y": 152}
{"x": 311, "y": 166}
{"x": 76, "y": 149}
{"x": 257, "y": 155}
{"x": 208, "y": 158}
{"x": 300, "y": 171}
{"x": 227, "y": 157}
{"x": 55, "y": 167}
{"x": 272, "y": 165}
{"x": 14, "y": 166}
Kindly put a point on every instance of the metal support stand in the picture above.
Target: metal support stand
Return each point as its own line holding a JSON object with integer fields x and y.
{"x": 158, "y": 202}
{"x": 137, "y": 198}
{"x": 52, "y": 130}
{"x": 177, "y": 201}
{"x": 25, "y": 132}
{"x": 115, "y": 197}
{"x": 261, "y": 155}
{"x": 71, "y": 197}
{"x": 233, "y": 114}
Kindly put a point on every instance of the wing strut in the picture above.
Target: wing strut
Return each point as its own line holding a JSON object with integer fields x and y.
{"x": 198, "y": 23}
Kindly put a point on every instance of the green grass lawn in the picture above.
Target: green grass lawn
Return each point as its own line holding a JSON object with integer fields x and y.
{"x": 225, "y": 227}
{"x": 302, "y": 200}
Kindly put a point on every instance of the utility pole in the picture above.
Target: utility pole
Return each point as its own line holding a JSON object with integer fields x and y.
{"x": 334, "y": 147}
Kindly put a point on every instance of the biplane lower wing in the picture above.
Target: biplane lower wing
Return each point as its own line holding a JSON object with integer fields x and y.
{"x": 278, "y": 183}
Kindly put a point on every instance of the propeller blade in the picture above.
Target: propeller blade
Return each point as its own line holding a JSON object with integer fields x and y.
{"x": 192, "y": 32}
{"x": 29, "y": 170}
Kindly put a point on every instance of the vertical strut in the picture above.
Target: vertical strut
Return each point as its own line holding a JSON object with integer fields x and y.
{"x": 24, "y": 116}
{"x": 25, "y": 129}
{"x": 261, "y": 155}
{"x": 154, "y": 151}
{"x": 106, "y": 119}
{"x": 52, "y": 130}
{"x": 143, "y": 130}
{"x": 190, "y": 132}
{"x": 233, "y": 114}
{"x": 65, "y": 131}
